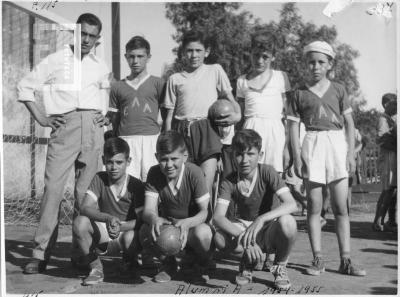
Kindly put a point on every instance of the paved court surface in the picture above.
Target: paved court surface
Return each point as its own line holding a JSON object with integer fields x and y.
{"x": 377, "y": 252}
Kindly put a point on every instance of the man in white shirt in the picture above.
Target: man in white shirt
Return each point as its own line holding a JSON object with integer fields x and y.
{"x": 74, "y": 84}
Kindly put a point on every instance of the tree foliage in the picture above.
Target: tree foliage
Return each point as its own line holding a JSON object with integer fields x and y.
{"x": 232, "y": 28}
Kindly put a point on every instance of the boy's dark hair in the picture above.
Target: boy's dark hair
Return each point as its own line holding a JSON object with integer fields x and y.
{"x": 245, "y": 140}
{"x": 388, "y": 97}
{"x": 114, "y": 146}
{"x": 264, "y": 43}
{"x": 90, "y": 19}
{"x": 137, "y": 42}
{"x": 195, "y": 36}
{"x": 170, "y": 141}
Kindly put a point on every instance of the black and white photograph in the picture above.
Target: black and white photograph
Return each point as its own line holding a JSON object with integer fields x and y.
{"x": 199, "y": 147}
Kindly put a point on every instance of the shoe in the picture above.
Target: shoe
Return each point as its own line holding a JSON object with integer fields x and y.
{"x": 377, "y": 227}
{"x": 165, "y": 272}
{"x": 390, "y": 227}
{"x": 200, "y": 274}
{"x": 323, "y": 222}
{"x": 35, "y": 266}
{"x": 347, "y": 268}
{"x": 281, "y": 281}
{"x": 95, "y": 277}
{"x": 317, "y": 267}
{"x": 245, "y": 275}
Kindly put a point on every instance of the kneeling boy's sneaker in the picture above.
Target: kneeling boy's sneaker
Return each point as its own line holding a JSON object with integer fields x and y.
{"x": 347, "y": 268}
{"x": 245, "y": 275}
{"x": 95, "y": 276}
{"x": 166, "y": 271}
{"x": 317, "y": 267}
{"x": 281, "y": 281}
{"x": 200, "y": 273}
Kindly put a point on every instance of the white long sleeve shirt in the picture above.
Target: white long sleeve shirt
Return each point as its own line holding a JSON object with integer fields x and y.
{"x": 68, "y": 83}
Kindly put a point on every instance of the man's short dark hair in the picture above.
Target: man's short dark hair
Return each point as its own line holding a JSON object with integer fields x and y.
{"x": 195, "y": 36}
{"x": 245, "y": 140}
{"x": 114, "y": 146}
{"x": 137, "y": 42}
{"x": 264, "y": 42}
{"x": 170, "y": 141}
{"x": 90, "y": 19}
{"x": 388, "y": 97}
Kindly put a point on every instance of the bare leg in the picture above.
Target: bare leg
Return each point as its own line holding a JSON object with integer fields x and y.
{"x": 339, "y": 191}
{"x": 314, "y": 205}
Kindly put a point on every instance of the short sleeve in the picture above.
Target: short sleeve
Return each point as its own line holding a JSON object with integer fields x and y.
{"x": 274, "y": 180}
{"x": 170, "y": 94}
{"x": 292, "y": 112}
{"x": 94, "y": 190}
{"x": 150, "y": 188}
{"x": 113, "y": 102}
{"x": 225, "y": 192}
{"x": 200, "y": 186}
{"x": 223, "y": 83}
{"x": 345, "y": 106}
{"x": 240, "y": 87}
{"x": 161, "y": 91}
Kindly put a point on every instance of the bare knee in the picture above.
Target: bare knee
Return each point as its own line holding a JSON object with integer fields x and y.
{"x": 127, "y": 239}
{"x": 202, "y": 232}
{"x": 219, "y": 240}
{"x": 287, "y": 225}
{"x": 81, "y": 226}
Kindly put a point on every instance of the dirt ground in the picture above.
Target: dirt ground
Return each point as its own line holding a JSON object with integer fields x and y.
{"x": 377, "y": 252}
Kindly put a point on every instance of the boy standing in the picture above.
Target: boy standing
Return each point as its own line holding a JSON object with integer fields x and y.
{"x": 134, "y": 107}
{"x": 324, "y": 159}
{"x": 176, "y": 193}
{"x": 256, "y": 229}
{"x": 110, "y": 213}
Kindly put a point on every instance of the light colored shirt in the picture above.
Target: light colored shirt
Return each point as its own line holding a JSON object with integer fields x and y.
{"x": 191, "y": 94}
{"x": 68, "y": 83}
{"x": 268, "y": 102}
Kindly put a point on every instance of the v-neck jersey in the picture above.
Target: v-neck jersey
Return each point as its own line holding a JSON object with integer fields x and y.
{"x": 319, "y": 113}
{"x": 267, "y": 102}
{"x": 137, "y": 105}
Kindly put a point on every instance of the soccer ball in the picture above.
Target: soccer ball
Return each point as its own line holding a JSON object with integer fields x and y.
{"x": 169, "y": 242}
{"x": 220, "y": 109}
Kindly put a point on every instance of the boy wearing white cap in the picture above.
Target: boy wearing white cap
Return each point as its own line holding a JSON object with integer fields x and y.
{"x": 325, "y": 157}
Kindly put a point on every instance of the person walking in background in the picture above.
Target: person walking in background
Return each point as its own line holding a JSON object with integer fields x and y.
{"x": 76, "y": 120}
{"x": 387, "y": 141}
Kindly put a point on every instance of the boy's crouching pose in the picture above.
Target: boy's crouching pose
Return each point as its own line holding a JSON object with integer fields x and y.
{"x": 176, "y": 193}
{"x": 256, "y": 229}
{"x": 110, "y": 213}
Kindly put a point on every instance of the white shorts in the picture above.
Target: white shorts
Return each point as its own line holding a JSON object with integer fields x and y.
{"x": 143, "y": 150}
{"x": 272, "y": 133}
{"x": 324, "y": 156}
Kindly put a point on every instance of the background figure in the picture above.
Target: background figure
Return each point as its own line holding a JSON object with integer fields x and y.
{"x": 387, "y": 141}
{"x": 76, "y": 120}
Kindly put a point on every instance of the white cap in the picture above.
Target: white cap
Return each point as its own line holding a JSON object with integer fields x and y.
{"x": 320, "y": 47}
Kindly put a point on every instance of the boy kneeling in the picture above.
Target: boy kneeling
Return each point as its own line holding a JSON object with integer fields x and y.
{"x": 256, "y": 229}
{"x": 109, "y": 213}
{"x": 177, "y": 189}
